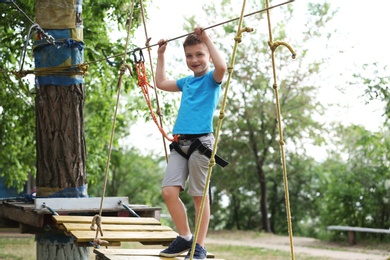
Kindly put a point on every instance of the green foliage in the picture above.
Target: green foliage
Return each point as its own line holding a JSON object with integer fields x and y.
{"x": 375, "y": 80}
{"x": 254, "y": 186}
{"x": 358, "y": 187}
{"x": 17, "y": 117}
{"x": 350, "y": 187}
{"x": 133, "y": 175}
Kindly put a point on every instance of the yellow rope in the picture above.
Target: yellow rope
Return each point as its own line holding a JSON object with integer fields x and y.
{"x": 237, "y": 39}
{"x": 85, "y": 65}
{"x": 273, "y": 46}
{"x": 154, "y": 79}
{"x": 123, "y": 70}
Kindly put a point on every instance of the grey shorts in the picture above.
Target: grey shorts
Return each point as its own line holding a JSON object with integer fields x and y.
{"x": 195, "y": 169}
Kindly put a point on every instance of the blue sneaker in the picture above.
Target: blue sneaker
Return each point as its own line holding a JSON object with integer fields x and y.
{"x": 177, "y": 247}
{"x": 200, "y": 253}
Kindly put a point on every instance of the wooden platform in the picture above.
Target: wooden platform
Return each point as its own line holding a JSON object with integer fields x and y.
{"x": 117, "y": 229}
{"x": 136, "y": 254}
{"x": 32, "y": 217}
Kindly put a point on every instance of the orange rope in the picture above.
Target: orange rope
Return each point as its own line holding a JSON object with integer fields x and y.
{"x": 144, "y": 84}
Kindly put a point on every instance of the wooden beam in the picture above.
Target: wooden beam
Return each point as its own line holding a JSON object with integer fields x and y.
{"x": 19, "y": 214}
{"x": 154, "y": 237}
{"x": 106, "y": 220}
{"x": 80, "y": 204}
{"x": 114, "y": 227}
{"x": 359, "y": 229}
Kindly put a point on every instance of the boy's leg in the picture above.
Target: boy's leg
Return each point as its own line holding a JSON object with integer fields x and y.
{"x": 173, "y": 183}
{"x": 198, "y": 165}
{"x": 205, "y": 218}
{"x": 176, "y": 209}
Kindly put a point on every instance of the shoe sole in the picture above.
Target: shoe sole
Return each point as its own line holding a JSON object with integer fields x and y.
{"x": 173, "y": 255}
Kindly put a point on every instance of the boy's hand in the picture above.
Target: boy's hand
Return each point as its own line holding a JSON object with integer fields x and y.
{"x": 201, "y": 33}
{"x": 162, "y": 45}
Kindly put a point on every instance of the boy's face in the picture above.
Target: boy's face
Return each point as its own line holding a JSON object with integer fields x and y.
{"x": 197, "y": 58}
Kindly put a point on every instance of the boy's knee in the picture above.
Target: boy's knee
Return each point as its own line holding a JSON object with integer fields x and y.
{"x": 170, "y": 192}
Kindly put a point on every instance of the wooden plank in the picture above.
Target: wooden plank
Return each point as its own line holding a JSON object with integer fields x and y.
{"x": 21, "y": 213}
{"x": 155, "y": 237}
{"x": 137, "y": 252}
{"x": 359, "y": 229}
{"x": 80, "y": 204}
{"x": 89, "y": 244}
{"x": 107, "y": 220}
{"x": 113, "y": 227}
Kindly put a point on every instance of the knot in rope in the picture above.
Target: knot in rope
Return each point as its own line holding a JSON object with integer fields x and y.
{"x": 247, "y": 29}
{"x": 158, "y": 112}
{"x": 83, "y": 67}
{"x": 212, "y": 163}
{"x": 222, "y": 115}
{"x": 276, "y": 44}
{"x": 147, "y": 43}
{"x": 98, "y": 242}
{"x": 238, "y": 38}
{"x": 97, "y": 224}
{"x": 20, "y": 74}
{"x": 125, "y": 67}
{"x": 142, "y": 76}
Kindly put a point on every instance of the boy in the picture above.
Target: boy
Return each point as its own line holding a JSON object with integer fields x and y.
{"x": 200, "y": 95}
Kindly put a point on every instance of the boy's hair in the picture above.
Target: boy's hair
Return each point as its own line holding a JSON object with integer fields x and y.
{"x": 192, "y": 39}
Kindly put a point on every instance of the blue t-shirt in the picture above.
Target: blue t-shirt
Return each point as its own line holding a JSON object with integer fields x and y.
{"x": 199, "y": 99}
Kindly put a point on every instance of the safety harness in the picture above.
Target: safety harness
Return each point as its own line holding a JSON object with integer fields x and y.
{"x": 196, "y": 144}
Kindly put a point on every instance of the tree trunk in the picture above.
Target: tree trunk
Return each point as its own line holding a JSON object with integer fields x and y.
{"x": 61, "y": 156}
{"x": 60, "y": 141}
{"x": 262, "y": 178}
{"x": 263, "y": 202}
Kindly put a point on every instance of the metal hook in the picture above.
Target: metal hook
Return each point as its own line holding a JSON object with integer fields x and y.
{"x": 141, "y": 55}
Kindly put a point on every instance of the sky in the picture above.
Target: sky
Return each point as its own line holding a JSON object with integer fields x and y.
{"x": 360, "y": 39}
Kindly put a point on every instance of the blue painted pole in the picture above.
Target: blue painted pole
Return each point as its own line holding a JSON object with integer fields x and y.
{"x": 60, "y": 95}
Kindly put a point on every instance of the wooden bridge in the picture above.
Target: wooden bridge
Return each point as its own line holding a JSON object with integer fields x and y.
{"x": 73, "y": 217}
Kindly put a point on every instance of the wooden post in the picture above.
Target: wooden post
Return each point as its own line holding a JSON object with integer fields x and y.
{"x": 60, "y": 95}
{"x": 352, "y": 237}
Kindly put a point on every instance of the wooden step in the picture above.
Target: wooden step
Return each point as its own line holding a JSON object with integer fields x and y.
{"x": 117, "y": 229}
{"x": 134, "y": 254}
{"x": 68, "y": 227}
{"x": 158, "y": 237}
{"x": 107, "y": 220}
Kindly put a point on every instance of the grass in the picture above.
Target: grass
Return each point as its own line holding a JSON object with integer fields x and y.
{"x": 22, "y": 247}
{"x": 17, "y": 248}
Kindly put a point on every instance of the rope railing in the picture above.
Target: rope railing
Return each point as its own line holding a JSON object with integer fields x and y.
{"x": 237, "y": 40}
{"x": 273, "y": 46}
{"x": 148, "y": 46}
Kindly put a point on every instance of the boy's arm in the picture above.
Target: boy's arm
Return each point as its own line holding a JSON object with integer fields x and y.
{"x": 162, "y": 81}
{"x": 217, "y": 58}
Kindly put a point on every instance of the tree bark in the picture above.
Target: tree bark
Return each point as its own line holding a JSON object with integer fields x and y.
{"x": 61, "y": 155}
{"x": 60, "y": 144}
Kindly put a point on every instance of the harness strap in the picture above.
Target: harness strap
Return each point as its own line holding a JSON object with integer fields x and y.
{"x": 198, "y": 145}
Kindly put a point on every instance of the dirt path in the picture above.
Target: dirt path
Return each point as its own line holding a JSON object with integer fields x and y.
{"x": 307, "y": 246}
